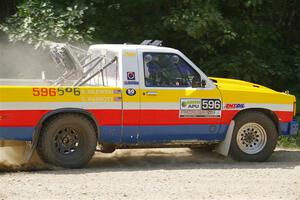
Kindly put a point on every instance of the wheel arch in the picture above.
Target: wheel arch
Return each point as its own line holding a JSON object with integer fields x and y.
{"x": 53, "y": 113}
{"x": 267, "y": 112}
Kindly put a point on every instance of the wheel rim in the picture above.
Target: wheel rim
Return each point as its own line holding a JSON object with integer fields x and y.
{"x": 66, "y": 140}
{"x": 251, "y": 138}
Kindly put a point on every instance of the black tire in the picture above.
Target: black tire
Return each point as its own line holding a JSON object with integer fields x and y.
{"x": 247, "y": 137}
{"x": 67, "y": 140}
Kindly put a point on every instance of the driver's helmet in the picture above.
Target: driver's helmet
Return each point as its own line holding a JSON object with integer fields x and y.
{"x": 175, "y": 59}
{"x": 148, "y": 58}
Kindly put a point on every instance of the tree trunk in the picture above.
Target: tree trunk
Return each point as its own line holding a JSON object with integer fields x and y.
{"x": 7, "y": 8}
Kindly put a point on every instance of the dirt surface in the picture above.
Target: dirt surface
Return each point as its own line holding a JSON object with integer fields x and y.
{"x": 159, "y": 174}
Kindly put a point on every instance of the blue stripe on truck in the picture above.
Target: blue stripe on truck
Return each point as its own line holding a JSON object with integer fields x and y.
{"x": 160, "y": 134}
{"x": 16, "y": 133}
{"x": 135, "y": 134}
{"x": 147, "y": 134}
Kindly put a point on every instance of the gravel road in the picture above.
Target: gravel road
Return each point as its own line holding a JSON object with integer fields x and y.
{"x": 160, "y": 174}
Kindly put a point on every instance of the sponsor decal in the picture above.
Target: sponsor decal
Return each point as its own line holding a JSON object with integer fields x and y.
{"x": 97, "y": 99}
{"x": 233, "y": 106}
{"x": 117, "y": 98}
{"x": 131, "y": 76}
{"x": 117, "y": 91}
{"x": 128, "y": 53}
{"x": 131, "y": 82}
{"x": 99, "y": 91}
{"x": 130, "y": 92}
{"x": 190, "y": 104}
{"x": 197, "y": 108}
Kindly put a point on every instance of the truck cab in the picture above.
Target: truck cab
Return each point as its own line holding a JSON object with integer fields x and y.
{"x": 162, "y": 92}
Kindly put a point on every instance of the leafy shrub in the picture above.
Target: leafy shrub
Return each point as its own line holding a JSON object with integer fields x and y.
{"x": 36, "y": 22}
{"x": 292, "y": 142}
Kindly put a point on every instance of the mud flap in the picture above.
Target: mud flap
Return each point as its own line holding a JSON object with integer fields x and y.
{"x": 30, "y": 152}
{"x": 223, "y": 147}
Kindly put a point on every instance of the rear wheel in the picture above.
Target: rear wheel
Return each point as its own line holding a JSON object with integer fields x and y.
{"x": 254, "y": 137}
{"x": 68, "y": 140}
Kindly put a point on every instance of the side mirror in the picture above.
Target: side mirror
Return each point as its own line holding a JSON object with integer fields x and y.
{"x": 198, "y": 82}
{"x": 203, "y": 83}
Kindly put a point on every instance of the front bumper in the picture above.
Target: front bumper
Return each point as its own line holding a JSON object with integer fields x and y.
{"x": 290, "y": 128}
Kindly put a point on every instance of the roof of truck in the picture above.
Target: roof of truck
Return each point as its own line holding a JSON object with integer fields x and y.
{"x": 118, "y": 47}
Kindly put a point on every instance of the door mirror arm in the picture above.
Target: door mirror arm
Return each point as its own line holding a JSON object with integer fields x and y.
{"x": 203, "y": 83}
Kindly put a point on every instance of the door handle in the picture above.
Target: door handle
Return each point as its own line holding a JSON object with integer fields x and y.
{"x": 151, "y": 93}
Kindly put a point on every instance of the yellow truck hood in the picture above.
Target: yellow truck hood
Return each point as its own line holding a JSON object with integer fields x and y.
{"x": 233, "y": 90}
{"x": 233, "y": 84}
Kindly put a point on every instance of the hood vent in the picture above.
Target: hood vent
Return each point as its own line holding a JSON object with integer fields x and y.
{"x": 214, "y": 80}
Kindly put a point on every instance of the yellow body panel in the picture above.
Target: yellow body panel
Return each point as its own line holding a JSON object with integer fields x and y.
{"x": 105, "y": 94}
{"x": 174, "y": 95}
{"x": 236, "y": 91}
{"x": 229, "y": 90}
{"x": 58, "y": 94}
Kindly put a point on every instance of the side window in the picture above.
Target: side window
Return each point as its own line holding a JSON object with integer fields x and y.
{"x": 169, "y": 70}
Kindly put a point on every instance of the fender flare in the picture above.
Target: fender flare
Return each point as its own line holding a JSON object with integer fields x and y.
{"x": 50, "y": 114}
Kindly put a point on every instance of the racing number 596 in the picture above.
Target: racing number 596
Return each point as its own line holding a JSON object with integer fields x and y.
{"x": 211, "y": 104}
{"x": 44, "y": 91}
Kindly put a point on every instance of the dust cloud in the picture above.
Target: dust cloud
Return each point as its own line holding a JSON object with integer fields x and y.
{"x": 155, "y": 158}
{"x": 13, "y": 158}
{"x": 22, "y": 61}
{"x": 123, "y": 158}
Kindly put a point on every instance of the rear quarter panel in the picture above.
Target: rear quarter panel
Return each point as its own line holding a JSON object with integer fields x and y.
{"x": 22, "y": 107}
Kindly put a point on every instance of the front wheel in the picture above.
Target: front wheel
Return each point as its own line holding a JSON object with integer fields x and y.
{"x": 67, "y": 140}
{"x": 254, "y": 137}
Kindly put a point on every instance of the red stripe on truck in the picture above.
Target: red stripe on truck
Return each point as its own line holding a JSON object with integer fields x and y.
{"x": 25, "y": 118}
{"x": 31, "y": 118}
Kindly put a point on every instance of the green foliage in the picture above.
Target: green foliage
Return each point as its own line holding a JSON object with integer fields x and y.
{"x": 202, "y": 21}
{"x": 290, "y": 141}
{"x": 36, "y": 22}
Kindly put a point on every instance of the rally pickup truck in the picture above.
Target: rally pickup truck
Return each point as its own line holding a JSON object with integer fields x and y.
{"x": 140, "y": 96}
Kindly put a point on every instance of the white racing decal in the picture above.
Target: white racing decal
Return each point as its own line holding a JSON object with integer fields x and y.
{"x": 198, "y": 108}
{"x": 176, "y": 106}
{"x": 126, "y": 105}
